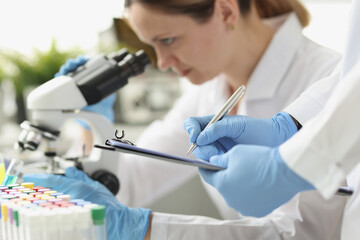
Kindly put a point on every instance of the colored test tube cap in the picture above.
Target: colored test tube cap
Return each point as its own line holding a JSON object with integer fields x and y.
{"x": 64, "y": 197}
{"x": 23, "y": 189}
{"x": 10, "y": 186}
{"x": 98, "y": 215}
{"x": 29, "y": 191}
{"x": 50, "y": 192}
{"x": 77, "y": 201}
{"x": 8, "y": 196}
{"x": 42, "y": 190}
{"x": 37, "y": 202}
{"x": 37, "y": 188}
{"x": 28, "y": 185}
{"x": 56, "y": 194}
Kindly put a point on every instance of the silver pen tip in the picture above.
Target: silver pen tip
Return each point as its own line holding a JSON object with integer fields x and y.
{"x": 191, "y": 149}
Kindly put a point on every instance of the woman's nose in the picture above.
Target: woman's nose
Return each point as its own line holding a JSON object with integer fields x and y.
{"x": 165, "y": 60}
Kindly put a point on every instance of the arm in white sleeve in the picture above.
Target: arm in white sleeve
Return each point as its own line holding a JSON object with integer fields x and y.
{"x": 352, "y": 49}
{"x": 312, "y": 101}
{"x": 328, "y": 146}
{"x": 308, "y": 221}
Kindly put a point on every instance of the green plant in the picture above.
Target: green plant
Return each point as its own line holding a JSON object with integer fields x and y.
{"x": 30, "y": 71}
{"x": 1, "y": 74}
{"x": 34, "y": 70}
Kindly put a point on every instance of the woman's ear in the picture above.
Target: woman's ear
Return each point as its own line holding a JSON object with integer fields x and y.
{"x": 228, "y": 10}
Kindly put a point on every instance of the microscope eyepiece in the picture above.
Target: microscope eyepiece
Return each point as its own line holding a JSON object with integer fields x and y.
{"x": 108, "y": 74}
{"x": 119, "y": 55}
{"x": 134, "y": 64}
{"x": 142, "y": 60}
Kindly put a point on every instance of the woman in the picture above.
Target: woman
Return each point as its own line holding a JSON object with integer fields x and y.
{"x": 219, "y": 45}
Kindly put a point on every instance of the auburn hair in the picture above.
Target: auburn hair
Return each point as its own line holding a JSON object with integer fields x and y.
{"x": 202, "y": 10}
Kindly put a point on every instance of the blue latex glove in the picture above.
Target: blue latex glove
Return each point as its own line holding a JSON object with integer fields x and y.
{"x": 231, "y": 130}
{"x": 121, "y": 222}
{"x": 105, "y": 106}
{"x": 71, "y": 65}
{"x": 256, "y": 180}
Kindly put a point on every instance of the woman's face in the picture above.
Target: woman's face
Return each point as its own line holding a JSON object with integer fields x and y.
{"x": 197, "y": 51}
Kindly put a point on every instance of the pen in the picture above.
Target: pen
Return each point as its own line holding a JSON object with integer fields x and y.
{"x": 230, "y": 103}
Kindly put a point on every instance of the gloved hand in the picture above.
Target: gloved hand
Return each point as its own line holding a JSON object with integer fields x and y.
{"x": 105, "y": 106}
{"x": 223, "y": 135}
{"x": 256, "y": 180}
{"x": 71, "y": 65}
{"x": 122, "y": 222}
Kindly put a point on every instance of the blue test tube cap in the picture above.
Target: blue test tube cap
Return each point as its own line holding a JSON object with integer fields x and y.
{"x": 76, "y": 201}
{"x": 37, "y": 202}
{"x": 83, "y": 203}
{"x": 56, "y": 194}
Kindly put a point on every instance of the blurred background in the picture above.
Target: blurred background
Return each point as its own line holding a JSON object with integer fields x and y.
{"x": 38, "y": 36}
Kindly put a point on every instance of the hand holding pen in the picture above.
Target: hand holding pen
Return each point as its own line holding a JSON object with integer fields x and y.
{"x": 344, "y": 191}
{"x": 230, "y": 103}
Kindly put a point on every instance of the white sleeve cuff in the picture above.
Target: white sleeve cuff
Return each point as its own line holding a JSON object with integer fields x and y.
{"x": 312, "y": 101}
{"x": 159, "y": 226}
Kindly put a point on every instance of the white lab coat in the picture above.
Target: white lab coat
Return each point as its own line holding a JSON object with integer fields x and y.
{"x": 328, "y": 146}
{"x": 290, "y": 65}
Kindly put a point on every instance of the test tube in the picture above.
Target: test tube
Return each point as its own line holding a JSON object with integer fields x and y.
{"x": 51, "y": 228}
{"x": 15, "y": 224}
{"x": 66, "y": 224}
{"x": 22, "y": 223}
{"x": 83, "y": 223}
{"x": 2, "y": 168}
{"x": 99, "y": 227}
{"x": 13, "y": 171}
{"x": 33, "y": 224}
{"x": 10, "y": 221}
{"x": 3, "y": 218}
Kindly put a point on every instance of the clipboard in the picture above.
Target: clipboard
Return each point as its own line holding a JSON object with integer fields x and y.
{"x": 113, "y": 145}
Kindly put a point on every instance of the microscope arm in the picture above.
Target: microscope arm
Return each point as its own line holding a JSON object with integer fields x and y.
{"x": 62, "y": 98}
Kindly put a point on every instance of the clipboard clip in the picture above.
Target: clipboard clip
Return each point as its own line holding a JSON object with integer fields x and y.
{"x": 119, "y": 139}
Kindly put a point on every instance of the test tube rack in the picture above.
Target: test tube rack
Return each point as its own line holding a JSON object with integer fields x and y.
{"x": 39, "y": 213}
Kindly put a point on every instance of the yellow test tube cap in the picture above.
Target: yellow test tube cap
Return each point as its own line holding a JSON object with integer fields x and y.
{"x": 24, "y": 196}
{"x": 43, "y": 196}
{"x": 49, "y": 192}
{"x": 47, "y": 198}
{"x": 24, "y": 189}
{"x": 24, "y": 202}
{"x": 4, "y": 212}
{"x": 28, "y": 185}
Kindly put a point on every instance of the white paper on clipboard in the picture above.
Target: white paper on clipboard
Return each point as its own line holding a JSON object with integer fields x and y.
{"x": 126, "y": 148}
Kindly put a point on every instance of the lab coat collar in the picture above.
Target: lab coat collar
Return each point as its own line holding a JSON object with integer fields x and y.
{"x": 274, "y": 64}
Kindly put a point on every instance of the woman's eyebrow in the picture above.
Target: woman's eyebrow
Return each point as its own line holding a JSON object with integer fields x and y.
{"x": 156, "y": 38}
